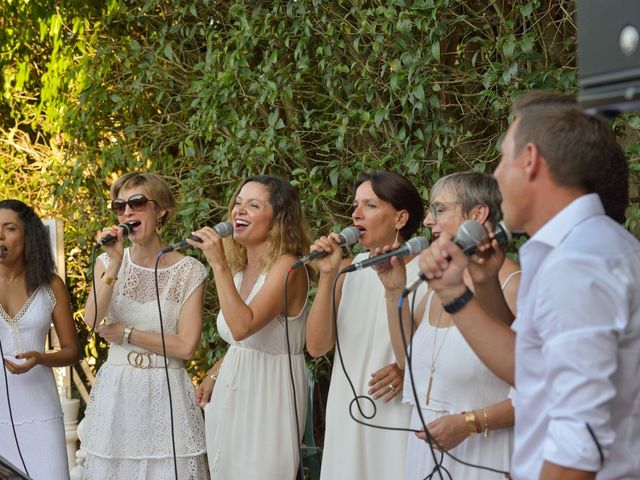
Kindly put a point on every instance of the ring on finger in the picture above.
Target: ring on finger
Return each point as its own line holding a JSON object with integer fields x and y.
{"x": 392, "y": 388}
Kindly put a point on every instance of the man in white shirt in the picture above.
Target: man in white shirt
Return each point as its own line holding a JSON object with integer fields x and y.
{"x": 575, "y": 351}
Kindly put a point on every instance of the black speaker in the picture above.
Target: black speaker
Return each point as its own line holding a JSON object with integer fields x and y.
{"x": 609, "y": 55}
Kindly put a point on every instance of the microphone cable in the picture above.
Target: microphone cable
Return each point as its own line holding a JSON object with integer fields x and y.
{"x": 166, "y": 366}
{"x": 430, "y": 438}
{"x": 357, "y": 398}
{"x": 13, "y": 425}
{"x": 293, "y": 384}
{"x": 164, "y": 349}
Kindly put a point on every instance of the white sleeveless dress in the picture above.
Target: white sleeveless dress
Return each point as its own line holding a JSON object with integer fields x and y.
{"x": 250, "y": 420}
{"x": 127, "y": 421}
{"x": 353, "y": 451}
{"x": 461, "y": 382}
{"x": 34, "y": 398}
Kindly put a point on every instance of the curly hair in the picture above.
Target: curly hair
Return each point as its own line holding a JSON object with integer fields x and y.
{"x": 38, "y": 256}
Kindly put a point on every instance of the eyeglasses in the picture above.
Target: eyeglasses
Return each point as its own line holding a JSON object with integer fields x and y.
{"x": 438, "y": 208}
{"x": 137, "y": 203}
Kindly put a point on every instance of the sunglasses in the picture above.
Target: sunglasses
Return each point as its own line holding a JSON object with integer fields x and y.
{"x": 137, "y": 203}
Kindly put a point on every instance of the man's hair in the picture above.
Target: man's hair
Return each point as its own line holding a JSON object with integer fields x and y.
{"x": 581, "y": 150}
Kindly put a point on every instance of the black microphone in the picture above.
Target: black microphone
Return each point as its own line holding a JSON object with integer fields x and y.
{"x": 468, "y": 236}
{"x": 223, "y": 229}
{"x": 348, "y": 236}
{"x": 412, "y": 247}
{"x": 127, "y": 228}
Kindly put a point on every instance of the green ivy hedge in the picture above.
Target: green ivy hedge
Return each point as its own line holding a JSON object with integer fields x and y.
{"x": 207, "y": 92}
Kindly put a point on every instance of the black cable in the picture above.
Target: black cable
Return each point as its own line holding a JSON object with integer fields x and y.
{"x": 356, "y": 397}
{"x": 13, "y": 425}
{"x": 166, "y": 366}
{"x": 430, "y": 437}
{"x": 95, "y": 295}
{"x": 293, "y": 384}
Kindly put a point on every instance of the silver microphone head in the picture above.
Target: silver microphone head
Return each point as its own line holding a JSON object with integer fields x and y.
{"x": 350, "y": 236}
{"x": 416, "y": 244}
{"x": 502, "y": 233}
{"x": 224, "y": 229}
{"x": 470, "y": 234}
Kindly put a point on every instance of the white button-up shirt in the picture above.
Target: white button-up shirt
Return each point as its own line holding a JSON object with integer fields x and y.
{"x": 578, "y": 346}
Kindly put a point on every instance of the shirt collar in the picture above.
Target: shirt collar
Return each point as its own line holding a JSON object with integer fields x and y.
{"x": 553, "y": 232}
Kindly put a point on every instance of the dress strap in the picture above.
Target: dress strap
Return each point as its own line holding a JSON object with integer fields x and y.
{"x": 306, "y": 298}
{"x": 508, "y": 279}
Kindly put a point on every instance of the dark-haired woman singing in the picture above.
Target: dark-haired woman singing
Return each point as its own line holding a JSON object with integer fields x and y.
{"x": 31, "y": 298}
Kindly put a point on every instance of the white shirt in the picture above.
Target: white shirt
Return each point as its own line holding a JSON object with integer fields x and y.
{"x": 578, "y": 346}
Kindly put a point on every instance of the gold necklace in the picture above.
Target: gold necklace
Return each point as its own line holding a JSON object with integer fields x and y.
{"x": 435, "y": 353}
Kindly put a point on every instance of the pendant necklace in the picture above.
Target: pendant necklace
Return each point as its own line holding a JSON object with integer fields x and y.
{"x": 435, "y": 353}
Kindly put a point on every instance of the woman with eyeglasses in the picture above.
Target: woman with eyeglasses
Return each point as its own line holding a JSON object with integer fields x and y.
{"x": 32, "y": 297}
{"x": 387, "y": 209}
{"x": 127, "y": 424}
{"x": 464, "y": 405}
{"x": 251, "y": 417}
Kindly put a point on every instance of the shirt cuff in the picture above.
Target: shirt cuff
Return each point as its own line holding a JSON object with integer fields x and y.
{"x": 569, "y": 444}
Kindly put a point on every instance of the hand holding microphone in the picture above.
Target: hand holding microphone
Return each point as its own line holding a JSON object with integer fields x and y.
{"x": 326, "y": 251}
{"x": 348, "y": 236}
{"x": 468, "y": 238}
{"x": 223, "y": 229}
{"x": 111, "y": 237}
{"x": 210, "y": 242}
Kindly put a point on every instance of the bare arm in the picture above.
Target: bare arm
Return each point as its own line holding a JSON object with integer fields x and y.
{"x": 246, "y": 319}
{"x": 181, "y": 344}
{"x": 551, "y": 471}
{"x": 104, "y": 291}
{"x": 321, "y": 335}
{"x": 451, "y": 430}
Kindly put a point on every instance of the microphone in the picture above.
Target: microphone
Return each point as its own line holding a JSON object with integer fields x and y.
{"x": 468, "y": 236}
{"x": 348, "y": 236}
{"x": 223, "y": 229}
{"x": 412, "y": 247}
{"x": 127, "y": 228}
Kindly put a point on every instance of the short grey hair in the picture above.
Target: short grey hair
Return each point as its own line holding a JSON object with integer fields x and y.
{"x": 472, "y": 189}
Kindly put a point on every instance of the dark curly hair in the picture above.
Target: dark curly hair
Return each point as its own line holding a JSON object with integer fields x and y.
{"x": 37, "y": 250}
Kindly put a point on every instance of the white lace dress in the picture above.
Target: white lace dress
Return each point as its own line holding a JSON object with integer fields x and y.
{"x": 250, "y": 419}
{"x": 34, "y": 399}
{"x": 127, "y": 421}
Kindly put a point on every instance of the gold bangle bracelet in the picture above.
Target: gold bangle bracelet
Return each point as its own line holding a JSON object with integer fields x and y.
{"x": 108, "y": 280}
{"x": 470, "y": 418}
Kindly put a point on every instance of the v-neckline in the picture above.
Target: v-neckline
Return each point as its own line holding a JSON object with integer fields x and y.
{"x": 14, "y": 320}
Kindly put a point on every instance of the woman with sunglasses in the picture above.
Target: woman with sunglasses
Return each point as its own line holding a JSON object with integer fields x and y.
{"x": 464, "y": 405}
{"x": 251, "y": 416}
{"x": 127, "y": 423}
{"x": 387, "y": 209}
{"x": 32, "y": 297}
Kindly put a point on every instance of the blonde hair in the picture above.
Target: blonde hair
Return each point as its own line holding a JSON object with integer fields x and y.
{"x": 155, "y": 187}
{"x": 289, "y": 232}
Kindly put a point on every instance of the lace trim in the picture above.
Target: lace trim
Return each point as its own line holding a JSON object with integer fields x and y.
{"x": 15, "y": 321}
